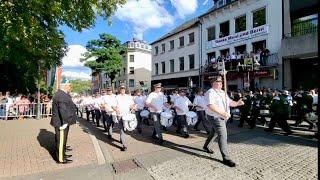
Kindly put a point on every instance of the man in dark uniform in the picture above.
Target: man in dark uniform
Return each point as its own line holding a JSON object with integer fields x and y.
{"x": 63, "y": 115}
{"x": 245, "y": 110}
{"x": 280, "y": 112}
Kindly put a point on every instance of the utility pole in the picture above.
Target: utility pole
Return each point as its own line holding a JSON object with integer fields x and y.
{"x": 38, "y": 94}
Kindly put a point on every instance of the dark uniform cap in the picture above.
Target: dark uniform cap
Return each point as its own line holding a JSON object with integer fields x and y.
{"x": 216, "y": 79}
{"x": 122, "y": 87}
{"x": 157, "y": 85}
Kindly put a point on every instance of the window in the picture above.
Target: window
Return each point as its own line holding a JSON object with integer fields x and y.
{"x": 240, "y": 24}
{"x": 259, "y": 17}
{"x": 131, "y": 82}
{"x": 156, "y": 67}
{"x": 191, "y": 61}
{"x": 191, "y": 38}
{"x": 156, "y": 50}
{"x": 224, "y": 52}
{"x": 131, "y": 70}
{"x": 258, "y": 46}
{"x": 224, "y": 29}
{"x": 181, "y": 61}
{"x": 240, "y": 49}
{"x": 163, "y": 66}
{"x": 211, "y": 57}
{"x": 172, "y": 65}
{"x": 163, "y": 47}
{"x": 211, "y": 33}
{"x": 131, "y": 58}
{"x": 124, "y": 70}
{"x": 181, "y": 41}
{"x": 172, "y": 45}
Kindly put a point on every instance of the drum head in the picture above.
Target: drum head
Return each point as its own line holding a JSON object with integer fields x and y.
{"x": 144, "y": 113}
{"x": 191, "y": 114}
{"x": 166, "y": 115}
{"x": 129, "y": 117}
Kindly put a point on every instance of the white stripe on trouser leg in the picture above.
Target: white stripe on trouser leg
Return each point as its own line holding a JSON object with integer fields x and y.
{"x": 61, "y": 145}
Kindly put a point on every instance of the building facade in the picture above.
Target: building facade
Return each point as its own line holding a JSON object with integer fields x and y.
{"x": 136, "y": 72}
{"x": 175, "y": 57}
{"x": 299, "y": 46}
{"x": 237, "y": 31}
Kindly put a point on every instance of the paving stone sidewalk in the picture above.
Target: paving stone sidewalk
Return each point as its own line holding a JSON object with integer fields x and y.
{"x": 26, "y": 147}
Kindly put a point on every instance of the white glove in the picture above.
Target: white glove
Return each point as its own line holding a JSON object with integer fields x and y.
{"x": 63, "y": 126}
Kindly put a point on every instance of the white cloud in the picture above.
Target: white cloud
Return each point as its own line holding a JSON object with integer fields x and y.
{"x": 73, "y": 56}
{"x": 76, "y": 75}
{"x": 184, "y": 7}
{"x": 144, "y": 15}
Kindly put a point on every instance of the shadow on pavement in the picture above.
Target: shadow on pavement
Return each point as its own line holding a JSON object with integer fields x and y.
{"x": 98, "y": 133}
{"x": 46, "y": 140}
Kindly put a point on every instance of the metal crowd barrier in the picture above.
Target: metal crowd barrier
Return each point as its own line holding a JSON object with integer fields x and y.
{"x": 19, "y": 110}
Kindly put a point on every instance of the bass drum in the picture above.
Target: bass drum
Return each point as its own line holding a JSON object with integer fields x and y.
{"x": 192, "y": 118}
{"x": 129, "y": 122}
{"x": 166, "y": 119}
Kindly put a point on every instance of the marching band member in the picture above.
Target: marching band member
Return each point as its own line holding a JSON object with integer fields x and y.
{"x": 200, "y": 104}
{"x": 139, "y": 100}
{"x": 181, "y": 104}
{"x": 97, "y": 101}
{"x": 108, "y": 109}
{"x": 156, "y": 102}
{"x": 124, "y": 105}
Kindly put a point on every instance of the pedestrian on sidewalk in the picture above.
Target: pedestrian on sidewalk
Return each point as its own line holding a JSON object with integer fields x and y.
{"x": 63, "y": 115}
{"x": 218, "y": 111}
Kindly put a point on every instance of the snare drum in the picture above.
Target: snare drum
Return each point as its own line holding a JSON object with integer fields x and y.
{"x": 264, "y": 112}
{"x": 166, "y": 119}
{"x": 192, "y": 118}
{"x": 144, "y": 113}
{"x": 129, "y": 122}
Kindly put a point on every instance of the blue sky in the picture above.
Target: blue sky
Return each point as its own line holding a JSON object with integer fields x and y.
{"x": 145, "y": 19}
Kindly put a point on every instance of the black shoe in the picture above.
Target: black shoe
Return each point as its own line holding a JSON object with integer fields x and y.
{"x": 311, "y": 126}
{"x": 68, "y": 150}
{"x": 154, "y": 137}
{"x": 68, "y": 147}
{"x": 109, "y": 136}
{"x": 66, "y": 161}
{"x": 178, "y": 131}
{"x": 196, "y": 129}
{"x": 229, "y": 163}
{"x": 68, "y": 156}
{"x": 287, "y": 133}
{"x": 186, "y": 136}
{"x": 123, "y": 148}
{"x": 209, "y": 151}
{"x": 268, "y": 130}
{"x": 160, "y": 141}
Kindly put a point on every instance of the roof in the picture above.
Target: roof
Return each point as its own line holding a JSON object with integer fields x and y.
{"x": 215, "y": 9}
{"x": 187, "y": 25}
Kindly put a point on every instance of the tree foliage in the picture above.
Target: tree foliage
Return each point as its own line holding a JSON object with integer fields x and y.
{"x": 30, "y": 35}
{"x": 107, "y": 52}
{"x": 80, "y": 86}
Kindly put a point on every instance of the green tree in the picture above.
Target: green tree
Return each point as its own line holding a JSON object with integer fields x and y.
{"x": 107, "y": 52}
{"x": 80, "y": 86}
{"x": 30, "y": 35}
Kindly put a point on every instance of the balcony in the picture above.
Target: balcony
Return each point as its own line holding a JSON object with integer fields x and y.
{"x": 303, "y": 27}
{"x": 255, "y": 62}
{"x": 302, "y": 41}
